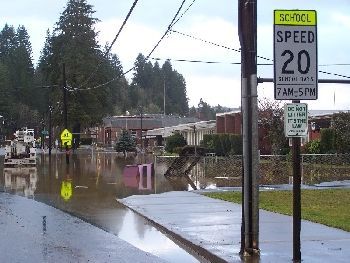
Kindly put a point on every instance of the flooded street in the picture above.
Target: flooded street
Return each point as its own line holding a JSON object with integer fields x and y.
{"x": 88, "y": 188}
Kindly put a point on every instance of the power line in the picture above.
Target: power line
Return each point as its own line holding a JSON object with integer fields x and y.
{"x": 150, "y": 53}
{"x": 111, "y": 45}
{"x": 215, "y": 44}
{"x": 177, "y": 20}
{"x": 238, "y": 50}
{"x": 334, "y": 64}
{"x": 335, "y": 74}
{"x": 121, "y": 28}
{"x": 168, "y": 29}
{"x": 207, "y": 62}
{"x": 237, "y": 63}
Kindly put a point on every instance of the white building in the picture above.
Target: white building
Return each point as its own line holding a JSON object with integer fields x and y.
{"x": 192, "y": 132}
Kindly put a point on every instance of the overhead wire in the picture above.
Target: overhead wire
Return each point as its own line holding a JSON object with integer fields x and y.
{"x": 214, "y": 44}
{"x": 238, "y": 50}
{"x": 111, "y": 45}
{"x": 169, "y": 29}
{"x": 207, "y": 62}
{"x": 177, "y": 20}
{"x": 236, "y": 63}
{"x": 171, "y": 24}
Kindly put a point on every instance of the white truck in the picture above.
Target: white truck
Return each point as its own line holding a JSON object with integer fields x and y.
{"x": 21, "y": 150}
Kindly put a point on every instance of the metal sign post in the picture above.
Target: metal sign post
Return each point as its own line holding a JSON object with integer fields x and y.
{"x": 295, "y": 78}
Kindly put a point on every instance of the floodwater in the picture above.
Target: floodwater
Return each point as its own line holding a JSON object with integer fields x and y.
{"x": 88, "y": 188}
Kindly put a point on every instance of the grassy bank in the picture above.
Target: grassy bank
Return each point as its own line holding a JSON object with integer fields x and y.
{"x": 330, "y": 207}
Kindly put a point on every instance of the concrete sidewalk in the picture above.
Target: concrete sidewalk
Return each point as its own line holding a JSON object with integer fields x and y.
{"x": 25, "y": 237}
{"x": 214, "y": 226}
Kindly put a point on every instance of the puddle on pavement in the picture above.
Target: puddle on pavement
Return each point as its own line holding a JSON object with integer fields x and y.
{"x": 89, "y": 188}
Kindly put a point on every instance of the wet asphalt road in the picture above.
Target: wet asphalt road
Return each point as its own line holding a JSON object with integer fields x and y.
{"x": 88, "y": 188}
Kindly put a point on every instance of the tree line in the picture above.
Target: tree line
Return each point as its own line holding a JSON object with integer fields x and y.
{"x": 96, "y": 84}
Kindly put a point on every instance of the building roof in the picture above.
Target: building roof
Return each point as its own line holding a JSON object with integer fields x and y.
{"x": 168, "y": 131}
{"x": 149, "y": 121}
{"x": 321, "y": 113}
{"x": 234, "y": 111}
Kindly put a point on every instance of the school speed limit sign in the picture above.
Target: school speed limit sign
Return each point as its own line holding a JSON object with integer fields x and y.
{"x": 295, "y": 55}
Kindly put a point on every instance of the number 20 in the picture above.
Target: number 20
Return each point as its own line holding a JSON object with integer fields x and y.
{"x": 290, "y": 59}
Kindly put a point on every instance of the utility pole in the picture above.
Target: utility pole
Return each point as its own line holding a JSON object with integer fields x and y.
{"x": 164, "y": 93}
{"x": 50, "y": 130}
{"x": 247, "y": 26}
{"x": 141, "y": 129}
{"x": 65, "y": 107}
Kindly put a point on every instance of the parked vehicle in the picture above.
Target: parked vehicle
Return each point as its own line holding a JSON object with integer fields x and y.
{"x": 21, "y": 150}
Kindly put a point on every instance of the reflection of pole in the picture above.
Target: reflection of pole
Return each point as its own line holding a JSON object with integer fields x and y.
{"x": 164, "y": 94}
{"x": 50, "y": 132}
{"x": 296, "y": 197}
{"x": 65, "y": 107}
{"x": 195, "y": 140}
{"x": 141, "y": 130}
{"x": 248, "y": 39}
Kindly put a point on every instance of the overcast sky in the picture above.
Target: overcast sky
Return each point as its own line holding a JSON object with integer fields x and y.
{"x": 215, "y": 21}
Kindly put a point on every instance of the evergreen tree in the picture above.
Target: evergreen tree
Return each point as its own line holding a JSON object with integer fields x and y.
{"x": 148, "y": 85}
{"x": 175, "y": 91}
{"x": 73, "y": 42}
{"x": 125, "y": 143}
{"x": 24, "y": 69}
{"x": 8, "y": 45}
{"x": 16, "y": 78}
{"x": 5, "y": 96}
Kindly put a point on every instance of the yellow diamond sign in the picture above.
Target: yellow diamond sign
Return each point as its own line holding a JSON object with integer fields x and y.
{"x": 66, "y": 137}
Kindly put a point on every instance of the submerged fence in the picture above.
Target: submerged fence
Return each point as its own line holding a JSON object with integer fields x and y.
{"x": 273, "y": 169}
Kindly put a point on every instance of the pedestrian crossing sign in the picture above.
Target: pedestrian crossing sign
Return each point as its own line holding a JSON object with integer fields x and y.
{"x": 66, "y": 137}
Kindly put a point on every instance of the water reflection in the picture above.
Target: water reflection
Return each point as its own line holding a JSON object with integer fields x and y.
{"x": 20, "y": 180}
{"x": 66, "y": 190}
{"x": 139, "y": 176}
{"x": 88, "y": 188}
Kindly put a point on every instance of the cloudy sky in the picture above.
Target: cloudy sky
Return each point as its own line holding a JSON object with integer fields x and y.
{"x": 214, "y": 21}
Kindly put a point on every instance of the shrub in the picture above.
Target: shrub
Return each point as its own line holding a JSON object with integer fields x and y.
{"x": 223, "y": 144}
{"x": 327, "y": 141}
{"x": 313, "y": 147}
{"x": 174, "y": 141}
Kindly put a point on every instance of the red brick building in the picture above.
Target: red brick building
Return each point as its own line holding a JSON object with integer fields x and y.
{"x": 229, "y": 122}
